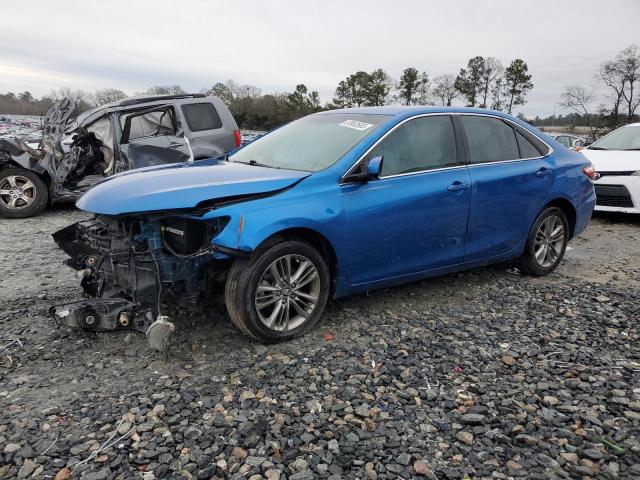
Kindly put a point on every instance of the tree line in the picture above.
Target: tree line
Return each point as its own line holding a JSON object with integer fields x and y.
{"x": 251, "y": 108}
{"x": 484, "y": 82}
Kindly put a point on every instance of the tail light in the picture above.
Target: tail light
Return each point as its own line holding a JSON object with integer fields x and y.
{"x": 237, "y": 137}
{"x": 590, "y": 172}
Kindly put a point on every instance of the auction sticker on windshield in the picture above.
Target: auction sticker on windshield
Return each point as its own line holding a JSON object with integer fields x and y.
{"x": 355, "y": 124}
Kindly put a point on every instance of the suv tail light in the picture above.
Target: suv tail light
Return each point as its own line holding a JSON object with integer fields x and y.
{"x": 237, "y": 137}
{"x": 590, "y": 172}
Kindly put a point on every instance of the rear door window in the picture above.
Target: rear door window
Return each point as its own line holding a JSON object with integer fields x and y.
{"x": 490, "y": 139}
{"x": 421, "y": 144}
{"x": 201, "y": 116}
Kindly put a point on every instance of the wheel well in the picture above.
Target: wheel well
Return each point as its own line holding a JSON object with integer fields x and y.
{"x": 317, "y": 240}
{"x": 569, "y": 211}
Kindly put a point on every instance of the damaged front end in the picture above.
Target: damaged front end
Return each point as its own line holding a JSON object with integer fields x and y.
{"x": 129, "y": 265}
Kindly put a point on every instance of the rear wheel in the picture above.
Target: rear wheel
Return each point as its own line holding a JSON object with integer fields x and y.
{"x": 280, "y": 293}
{"x": 546, "y": 243}
{"x": 22, "y": 193}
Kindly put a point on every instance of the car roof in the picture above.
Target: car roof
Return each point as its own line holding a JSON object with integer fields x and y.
{"x": 133, "y": 102}
{"x": 403, "y": 110}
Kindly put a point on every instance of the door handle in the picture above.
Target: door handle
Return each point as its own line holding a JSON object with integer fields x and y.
{"x": 543, "y": 172}
{"x": 455, "y": 186}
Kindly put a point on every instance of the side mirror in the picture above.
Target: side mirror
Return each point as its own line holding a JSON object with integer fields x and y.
{"x": 576, "y": 143}
{"x": 370, "y": 169}
{"x": 374, "y": 166}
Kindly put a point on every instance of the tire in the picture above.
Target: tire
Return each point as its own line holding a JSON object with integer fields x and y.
{"x": 252, "y": 308}
{"x": 22, "y": 193}
{"x": 540, "y": 241}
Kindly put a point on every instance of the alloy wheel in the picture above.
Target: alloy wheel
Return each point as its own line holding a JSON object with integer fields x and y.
{"x": 549, "y": 241}
{"x": 287, "y": 293}
{"x": 17, "y": 192}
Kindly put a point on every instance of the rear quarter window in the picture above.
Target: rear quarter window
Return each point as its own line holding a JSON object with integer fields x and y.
{"x": 527, "y": 149}
{"x": 201, "y": 116}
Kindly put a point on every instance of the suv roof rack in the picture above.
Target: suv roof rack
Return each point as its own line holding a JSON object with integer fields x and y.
{"x": 136, "y": 100}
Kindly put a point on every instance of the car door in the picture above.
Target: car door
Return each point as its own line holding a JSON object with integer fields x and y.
{"x": 510, "y": 180}
{"x": 414, "y": 216}
{"x": 152, "y": 137}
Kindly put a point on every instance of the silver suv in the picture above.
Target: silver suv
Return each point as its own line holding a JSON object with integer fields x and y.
{"x": 73, "y": 155}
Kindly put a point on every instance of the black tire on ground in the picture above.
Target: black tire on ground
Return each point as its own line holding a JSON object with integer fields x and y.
{"x": 246, "y": 274}
{"x": 528, "y": 262}
{"x": 36, "y": 195}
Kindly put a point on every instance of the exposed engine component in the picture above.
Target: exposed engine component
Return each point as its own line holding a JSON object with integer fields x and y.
{"x": 97, "y": 314}
{"x": 159, "y": 332}
{"x": 128, "y": 265}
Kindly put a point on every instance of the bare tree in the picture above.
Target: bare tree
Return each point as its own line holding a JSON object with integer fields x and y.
{"x": 166, "y": 90}
{"x": 611, "y": 75}
{"x": 106, "y": 95}
{"x": 493, "y": 71}
{"x": 579, "y": 99}
{"x": 628, "y": 61}
{"x": 444, "y": 89}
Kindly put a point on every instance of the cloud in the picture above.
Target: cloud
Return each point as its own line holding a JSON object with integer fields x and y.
{"x": 276, "y": 45}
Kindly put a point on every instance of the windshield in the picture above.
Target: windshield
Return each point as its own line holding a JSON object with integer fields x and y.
{"x": 311, "y": 143}
{"x": 625, "y": 138}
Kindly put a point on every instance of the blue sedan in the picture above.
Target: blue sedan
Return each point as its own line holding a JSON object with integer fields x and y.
{"x": 332, "y": 204}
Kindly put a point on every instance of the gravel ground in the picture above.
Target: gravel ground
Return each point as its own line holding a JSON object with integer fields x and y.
{"x": 483, "y": 374}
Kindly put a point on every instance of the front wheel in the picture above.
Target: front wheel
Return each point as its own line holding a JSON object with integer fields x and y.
{"x": 546, "y": 243}
{"x": 279, "y": 293}
{"x": 22, "y": 193}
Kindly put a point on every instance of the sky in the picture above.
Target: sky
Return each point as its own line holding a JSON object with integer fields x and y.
{"x": 277, "y": 44}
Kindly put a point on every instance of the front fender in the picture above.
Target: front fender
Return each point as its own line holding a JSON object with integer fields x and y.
{"x": 253, "y": 222}
{"x": 23, "y": 160}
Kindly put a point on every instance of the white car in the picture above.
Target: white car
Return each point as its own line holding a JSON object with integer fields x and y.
{"x": 569, "y": 141}
{"x": 616, "y": 158}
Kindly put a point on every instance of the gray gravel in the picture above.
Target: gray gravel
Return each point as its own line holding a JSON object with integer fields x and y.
{"x": 484, "y": 374}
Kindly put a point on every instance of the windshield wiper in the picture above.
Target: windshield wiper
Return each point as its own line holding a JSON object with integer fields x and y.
{"x": 597, "y": 148}
{"x": 255, "y": 163}
{"x": 630, "y": 149}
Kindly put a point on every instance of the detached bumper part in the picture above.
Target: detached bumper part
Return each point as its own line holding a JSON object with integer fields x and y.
{"x": 107, "y": 314}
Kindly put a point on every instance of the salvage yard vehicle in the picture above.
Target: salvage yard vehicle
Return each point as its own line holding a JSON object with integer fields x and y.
{"x": 569, "y": 141}
{"x": 332, "y": 204}
{"x": 136, "y": 132}
{"x": 616, "y": 157}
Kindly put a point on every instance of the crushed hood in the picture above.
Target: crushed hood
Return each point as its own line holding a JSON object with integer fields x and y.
{"x": 181, "y": 186}
{"x": 613, "y": 160}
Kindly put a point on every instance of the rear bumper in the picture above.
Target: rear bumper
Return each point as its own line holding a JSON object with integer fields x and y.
{"x": 584, "y": 210}
{"x": 618, "y": 194}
